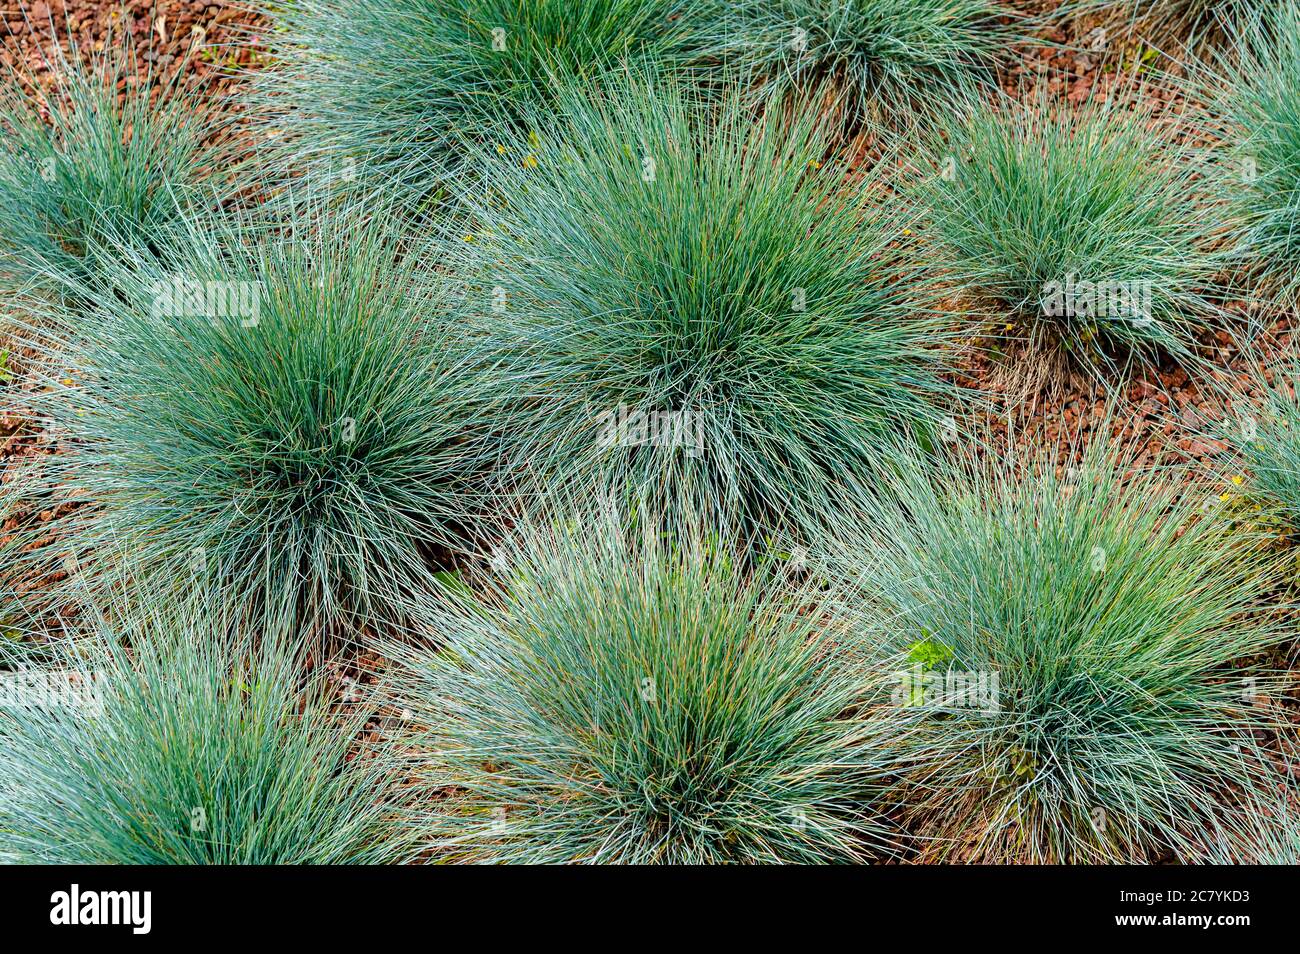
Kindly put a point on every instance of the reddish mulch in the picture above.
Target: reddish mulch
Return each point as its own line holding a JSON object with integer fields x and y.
{"x": 213, "y": 42}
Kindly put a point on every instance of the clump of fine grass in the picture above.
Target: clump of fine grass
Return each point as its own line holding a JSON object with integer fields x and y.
{"x": 619, "y": 698}
{"x": 886, "y": 58}
{"x": 1265, "y": 433}
{"x": 1121, "y": 619}
{"x": 388, "y": 93}
{"x": 1257, "y": 89}
{"x": 297, "y": 418}
{"x": 163, "y": 741}
{"x": 696, "y": 304}
{"x": 84, "y": 166}
{"x": 1085, "y": 227}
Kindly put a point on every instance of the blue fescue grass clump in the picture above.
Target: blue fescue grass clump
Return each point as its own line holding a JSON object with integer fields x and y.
{"x": 886, "y": 59}
{"x": 1123, "y": 620}
{"x": 1082, "y": 226}
{"x": 297, "y": 417}
{"x": 1257, "y": 91}
{"x": 697, "y": 303}
{"x": 616, "y": 696}
{"x": 1265, "y": 433}
{"x": 84, "y": 166}
{"x": 161, "y": 740}
{"x": 387, "y": 93}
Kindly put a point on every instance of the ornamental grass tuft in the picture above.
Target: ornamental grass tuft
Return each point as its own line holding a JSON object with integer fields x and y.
{"x": 297, "y": 417}
{"x": 1256, "y": 86}
{"x": 389, "y": 94}
{"x": 161, "y": 740}
{"x": 1120, "y": 624}
{"x": 885, "y": 60}
{"x": 83, "y": 167}
{"x": 622, "y": 697}
{"x": 699, "y": 304}
{"x": 1085, "y": 227}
